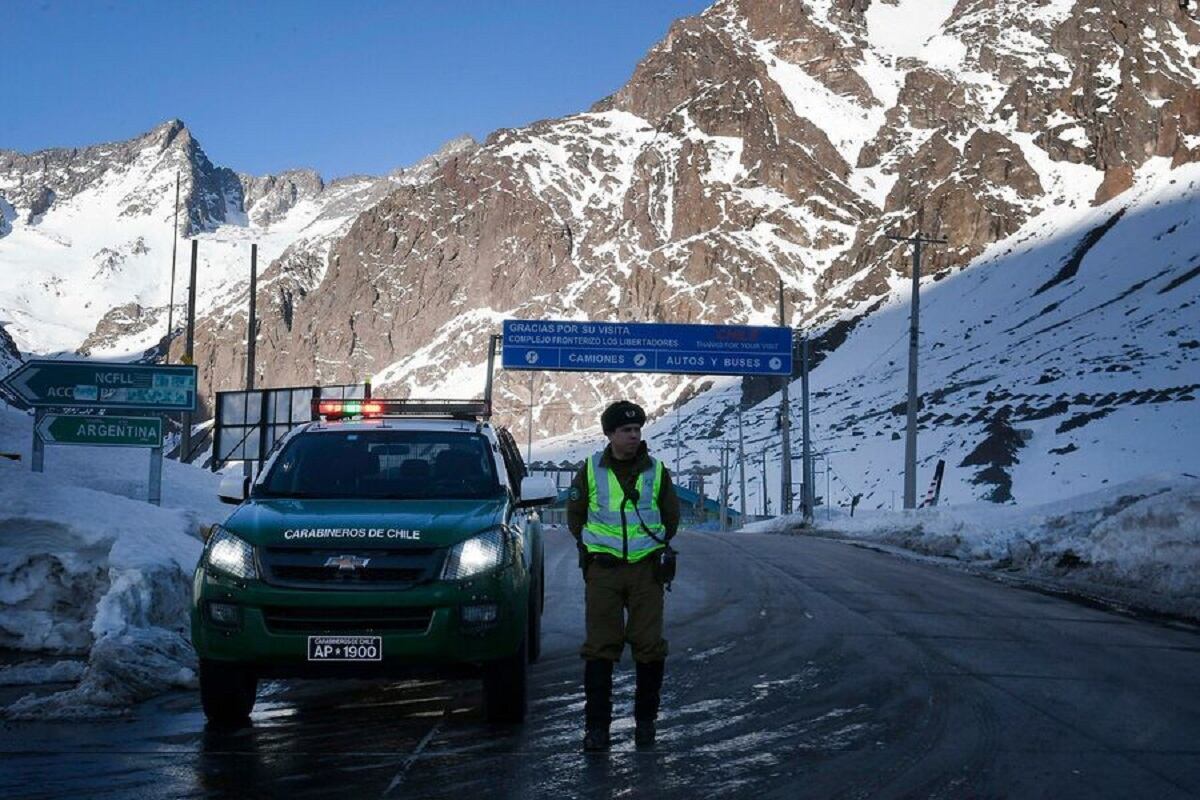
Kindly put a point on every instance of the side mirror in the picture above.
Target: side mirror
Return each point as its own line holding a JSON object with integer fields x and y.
{"x": 537, "y": 491}
{"x": 233, "y": 488}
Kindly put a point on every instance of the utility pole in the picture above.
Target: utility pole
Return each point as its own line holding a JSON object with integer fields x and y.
{"x": 174, "y": 242}
{"x": 806, "y": 453}
{"x": 677, "y": 435}
{"x": 741, "y": 466}
{"x": 493, "y": 341}
{"x": 252, "y": 325}
{"x": 766, "y": 500}
{"x": 529, "y": 433}
{"x": 910, "y": 439}
{"x": 828, "y": 498}
{"x": 724, "y": 492}
{"x": 185, "y": 442}
{"x": 251, "y": 338}
{"x": 785, "y": 473}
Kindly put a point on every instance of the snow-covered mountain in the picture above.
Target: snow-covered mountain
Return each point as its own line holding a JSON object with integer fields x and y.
{"x": 758, "y": 140}
{"x": 1049, "y": 141}
{"x": 87, "y": 241}
{"x": 1066, "y": 358}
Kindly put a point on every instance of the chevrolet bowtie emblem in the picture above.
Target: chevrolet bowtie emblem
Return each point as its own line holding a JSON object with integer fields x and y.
{"x": 347, "y": 563}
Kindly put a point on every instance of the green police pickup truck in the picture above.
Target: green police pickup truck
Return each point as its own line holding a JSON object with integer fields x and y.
{"x": 375, "y": 542}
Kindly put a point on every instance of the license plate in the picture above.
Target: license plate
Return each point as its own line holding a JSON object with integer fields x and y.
{"x": 345, "y": 648}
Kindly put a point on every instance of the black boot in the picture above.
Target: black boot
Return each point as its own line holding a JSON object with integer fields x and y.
{"x": 597, "y": 709}
{"x": 645, "y": 702}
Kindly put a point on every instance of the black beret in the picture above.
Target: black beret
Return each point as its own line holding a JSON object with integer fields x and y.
{"x": 621, "y": 413}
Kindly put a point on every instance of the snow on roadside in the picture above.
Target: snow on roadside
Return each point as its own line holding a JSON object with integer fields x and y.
{"x": 89, "y": 569}
{"x": 1139, "y": 540}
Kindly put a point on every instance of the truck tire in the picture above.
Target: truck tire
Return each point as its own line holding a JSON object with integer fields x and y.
{"x": 505, "y": 687}
{"x": 227, "y": 693}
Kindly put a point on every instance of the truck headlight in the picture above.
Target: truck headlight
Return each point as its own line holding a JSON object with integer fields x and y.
{"x": 475, "y": 555}
{"x": 231, "y": 555}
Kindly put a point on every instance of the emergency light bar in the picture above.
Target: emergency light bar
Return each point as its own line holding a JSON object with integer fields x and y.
{"x": 376, "y": 408}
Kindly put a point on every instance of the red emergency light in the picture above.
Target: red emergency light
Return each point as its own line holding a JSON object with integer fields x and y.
{"x": 336, "y": 409}
{"x": 376, "y": 408}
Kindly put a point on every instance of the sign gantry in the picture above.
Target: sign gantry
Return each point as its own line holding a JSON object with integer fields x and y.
{"x": 574, "y": 346}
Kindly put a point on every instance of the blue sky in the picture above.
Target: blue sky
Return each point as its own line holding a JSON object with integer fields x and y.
{"x": 341, "y": 87}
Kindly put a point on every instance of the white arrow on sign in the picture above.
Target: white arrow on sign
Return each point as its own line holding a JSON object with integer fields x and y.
{"x": 19, "y": 382}
{"x": 531, "y": 357}
{"x": 43, "y": 428}
{"x": 775, "y": 363}
{"x": 639, "y": 360}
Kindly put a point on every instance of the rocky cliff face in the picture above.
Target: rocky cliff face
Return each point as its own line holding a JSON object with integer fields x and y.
{"x": 287, "y": 280}
{"x": 760, "y": 141}
{"x": 10, "y": 357}
{"x": 270, "y": 197}
{"x": 1106, "y": 84}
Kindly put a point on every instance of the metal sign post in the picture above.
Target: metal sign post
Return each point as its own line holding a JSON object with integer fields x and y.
{"x": 155, "y": 494}
{"x": 94, "y": 430}
{"x": 38, "y": 454}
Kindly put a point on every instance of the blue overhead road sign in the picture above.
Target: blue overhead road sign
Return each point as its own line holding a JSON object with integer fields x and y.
{"x": 564, "y": 345}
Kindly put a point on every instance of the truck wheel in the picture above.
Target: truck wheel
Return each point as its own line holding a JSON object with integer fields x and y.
{"x": 227, "y": 693}
{"x": 505, "y": 687}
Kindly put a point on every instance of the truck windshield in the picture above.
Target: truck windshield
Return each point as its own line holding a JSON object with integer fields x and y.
{"x": 384, "y": 464}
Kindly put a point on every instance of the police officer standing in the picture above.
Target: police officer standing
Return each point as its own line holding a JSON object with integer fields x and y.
{"x": 622, "y": 511}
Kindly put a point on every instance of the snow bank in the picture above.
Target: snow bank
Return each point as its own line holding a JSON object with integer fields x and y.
{"x": 1138, "y": 541}
{"x": 89, "y": 569}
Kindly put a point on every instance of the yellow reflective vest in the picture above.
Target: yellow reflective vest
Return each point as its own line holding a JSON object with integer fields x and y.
{"x": 614, "y": 523}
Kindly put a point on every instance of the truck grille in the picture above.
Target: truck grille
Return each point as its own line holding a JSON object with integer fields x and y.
{"x": 308, "y": 568}
{"x": 304, "y": 619}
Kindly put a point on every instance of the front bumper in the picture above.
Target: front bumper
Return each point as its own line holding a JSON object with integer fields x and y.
{"x": 422, "y": 628}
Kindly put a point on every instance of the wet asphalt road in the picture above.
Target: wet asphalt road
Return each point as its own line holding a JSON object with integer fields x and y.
{"x": 800, "y": 668}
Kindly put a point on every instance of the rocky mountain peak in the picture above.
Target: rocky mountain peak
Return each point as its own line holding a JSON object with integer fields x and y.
{"x": 168, "y": 131}
{"x": 270, "y": 197}
{"x": 145, "y": 167}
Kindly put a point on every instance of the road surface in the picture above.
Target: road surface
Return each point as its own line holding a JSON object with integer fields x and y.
{"x": 799, "y": 668}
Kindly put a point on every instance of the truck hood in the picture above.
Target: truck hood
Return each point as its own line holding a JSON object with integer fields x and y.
{"x": 364, "y": 523}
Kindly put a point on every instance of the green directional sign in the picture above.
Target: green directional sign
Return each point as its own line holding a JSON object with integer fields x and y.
{"x": 106, "y": 431}
{"x": 94, "y": 384}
